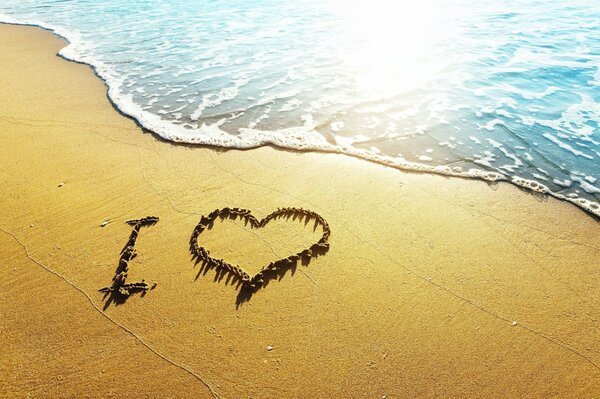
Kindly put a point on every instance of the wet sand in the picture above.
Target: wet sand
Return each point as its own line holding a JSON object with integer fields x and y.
{"x": 431, "y": 287}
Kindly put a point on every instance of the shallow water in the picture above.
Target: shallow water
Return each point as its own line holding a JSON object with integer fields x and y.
{"x": 491, "y": 89}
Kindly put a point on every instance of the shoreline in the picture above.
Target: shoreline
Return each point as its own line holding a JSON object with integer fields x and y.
{"x": 155, "y": 127}
{"x": 433, "y": 287}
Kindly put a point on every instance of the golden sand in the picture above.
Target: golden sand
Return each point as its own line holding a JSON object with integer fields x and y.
{"x": 432, "y": 287}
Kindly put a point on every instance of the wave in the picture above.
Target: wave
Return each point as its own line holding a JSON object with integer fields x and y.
{"x": 303, "y": 138}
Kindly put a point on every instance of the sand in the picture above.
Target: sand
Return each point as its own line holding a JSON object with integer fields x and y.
{"x": 432, "y": 287}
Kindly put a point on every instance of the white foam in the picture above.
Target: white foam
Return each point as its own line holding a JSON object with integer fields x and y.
{"x": 485, "y": 160}
{"x": 563, "y": 183}
{"x": 290, "y": 105}
{"x": 566, "y": 146}
{"x": 491, "y": 125}
{"x": 337, "y": 126}
{"x": 214, "y": 99}
{"x": 586, "y": 186}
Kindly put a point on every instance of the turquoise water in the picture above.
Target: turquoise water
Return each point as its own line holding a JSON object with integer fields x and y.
{"x": 493, "y": 90}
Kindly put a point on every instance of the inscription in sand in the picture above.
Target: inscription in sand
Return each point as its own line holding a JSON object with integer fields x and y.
{"x": 271, "y": 270}
{"x": 120, "y": 289}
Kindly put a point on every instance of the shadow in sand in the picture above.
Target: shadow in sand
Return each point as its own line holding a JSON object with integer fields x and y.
{"x": 235, "y": 275}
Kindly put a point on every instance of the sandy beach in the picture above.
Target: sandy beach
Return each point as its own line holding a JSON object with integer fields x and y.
{"x": 432, "y": 286}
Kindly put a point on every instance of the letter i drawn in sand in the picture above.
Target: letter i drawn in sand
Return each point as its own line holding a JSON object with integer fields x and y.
{"x": 120, "y": 289}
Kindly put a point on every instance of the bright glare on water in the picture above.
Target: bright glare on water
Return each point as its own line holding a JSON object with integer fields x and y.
{"x": 497, "y": 86}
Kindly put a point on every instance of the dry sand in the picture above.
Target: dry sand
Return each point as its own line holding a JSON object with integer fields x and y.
{"x": 433, "y": 287}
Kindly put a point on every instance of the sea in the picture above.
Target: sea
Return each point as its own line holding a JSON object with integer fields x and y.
{"x": 495, "y": 90}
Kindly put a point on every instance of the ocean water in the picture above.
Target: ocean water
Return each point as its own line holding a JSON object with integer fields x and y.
{"x": 498, "y": 90}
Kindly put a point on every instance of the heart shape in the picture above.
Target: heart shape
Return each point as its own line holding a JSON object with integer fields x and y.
{"x": 258, "y": 280}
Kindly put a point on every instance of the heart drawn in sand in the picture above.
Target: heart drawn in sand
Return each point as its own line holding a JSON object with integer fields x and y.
{"x": 269, "y": 271}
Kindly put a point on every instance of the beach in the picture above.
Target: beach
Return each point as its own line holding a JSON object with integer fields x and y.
{"x": 432, "y": 286}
